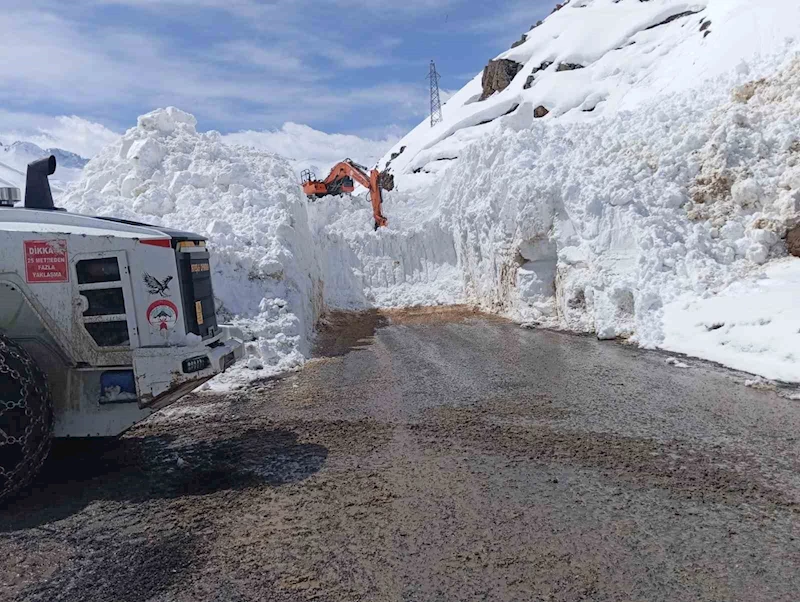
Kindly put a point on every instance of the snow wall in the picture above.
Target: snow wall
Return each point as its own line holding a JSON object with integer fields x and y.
{"x": 636, "y": 178}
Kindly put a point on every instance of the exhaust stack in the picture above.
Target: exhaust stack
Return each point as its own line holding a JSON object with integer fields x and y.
{"x": 37, "y": 186}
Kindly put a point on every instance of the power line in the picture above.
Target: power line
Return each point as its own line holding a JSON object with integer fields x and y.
{"x": 436, "y": 101}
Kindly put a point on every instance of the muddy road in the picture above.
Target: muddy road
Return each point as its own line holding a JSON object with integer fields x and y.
{"x": 430, "y": 458}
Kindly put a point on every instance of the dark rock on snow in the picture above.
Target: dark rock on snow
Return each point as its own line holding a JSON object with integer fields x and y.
{"x": 498, "y": 75}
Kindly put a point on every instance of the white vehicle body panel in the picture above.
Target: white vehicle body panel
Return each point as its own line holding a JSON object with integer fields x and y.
{"x": 101, "y": 305}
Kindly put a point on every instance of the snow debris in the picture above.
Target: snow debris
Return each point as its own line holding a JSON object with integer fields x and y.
{"x": 674, "y": 361}
{"x": 760, "y": 384}
{"x": 752, "y": 325}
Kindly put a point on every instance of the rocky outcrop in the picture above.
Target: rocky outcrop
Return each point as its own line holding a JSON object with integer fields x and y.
{"x": 540, "y": 112}
{"x": 398, "y": 153}
{"x": 386, "y": 180}
{"x": 532, "y": 76}
{"x": 793, "y": 241}
{"x": 387, "y": 170}
{"x": 569, "y": 67}
{"x": 498, "y": 75}
{"x": 520, "y": 42}
{"x": 668, "y": 20}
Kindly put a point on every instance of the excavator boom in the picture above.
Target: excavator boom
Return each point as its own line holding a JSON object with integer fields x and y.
{"x": 342, "y": 180}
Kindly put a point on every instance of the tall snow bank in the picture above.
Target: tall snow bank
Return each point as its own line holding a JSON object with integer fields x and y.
{"x": 249, "y": 205}
{"x": 636, "y": 176}
{"x": 597, "y": 227}
{"x": 412, "y": 262}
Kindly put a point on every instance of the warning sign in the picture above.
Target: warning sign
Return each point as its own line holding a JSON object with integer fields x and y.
{"x": 46, "y": 261}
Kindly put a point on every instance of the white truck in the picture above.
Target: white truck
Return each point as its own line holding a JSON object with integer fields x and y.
{"x": 102, "y": 322}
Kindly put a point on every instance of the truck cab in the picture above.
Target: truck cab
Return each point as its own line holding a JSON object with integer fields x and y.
{"x": 118, "y": 315}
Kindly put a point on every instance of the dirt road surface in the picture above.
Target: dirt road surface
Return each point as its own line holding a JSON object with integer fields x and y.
{"x": 430, "y": 458}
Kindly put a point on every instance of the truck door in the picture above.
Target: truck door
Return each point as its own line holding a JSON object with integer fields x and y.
{"x": 104, "y": 306}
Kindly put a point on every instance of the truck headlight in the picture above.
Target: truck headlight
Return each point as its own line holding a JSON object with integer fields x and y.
{"x": 196, "y": 364}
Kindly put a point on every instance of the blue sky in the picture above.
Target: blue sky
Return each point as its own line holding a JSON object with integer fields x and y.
{"x": 349, "y": 66}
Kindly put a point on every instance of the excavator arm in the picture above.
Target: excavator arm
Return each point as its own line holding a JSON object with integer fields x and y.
{"x": 341, "y": 179}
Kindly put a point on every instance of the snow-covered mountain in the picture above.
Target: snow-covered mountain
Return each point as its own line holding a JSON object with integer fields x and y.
{"x": 14, "y": 159}
{"x": 630, "y": 168}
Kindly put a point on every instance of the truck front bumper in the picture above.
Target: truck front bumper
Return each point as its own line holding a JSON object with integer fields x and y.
{"x": 165, "y": 374}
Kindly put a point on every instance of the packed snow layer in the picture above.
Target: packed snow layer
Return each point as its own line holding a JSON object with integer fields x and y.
{"x": 413, "y": 262}
{"x": 249, "y": 205}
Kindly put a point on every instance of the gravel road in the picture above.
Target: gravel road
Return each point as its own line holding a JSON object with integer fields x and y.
{"x": 430, "y": 457}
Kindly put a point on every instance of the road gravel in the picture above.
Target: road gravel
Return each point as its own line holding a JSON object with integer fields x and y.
{"x": 430, "y": 456}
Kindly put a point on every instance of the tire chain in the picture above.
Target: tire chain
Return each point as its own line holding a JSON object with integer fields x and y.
{"x": 23, "y": 371}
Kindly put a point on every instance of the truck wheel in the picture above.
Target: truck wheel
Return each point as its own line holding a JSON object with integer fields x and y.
{"x": 26, "y": 417}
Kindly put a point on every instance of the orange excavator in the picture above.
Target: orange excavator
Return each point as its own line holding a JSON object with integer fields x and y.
{"x": 342, "y": 180}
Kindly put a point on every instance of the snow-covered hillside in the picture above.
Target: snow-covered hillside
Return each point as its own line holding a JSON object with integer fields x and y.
{"x": 634, "y": 175}
{"x": 14, "y": 159}
{"x": 636, "y": 162}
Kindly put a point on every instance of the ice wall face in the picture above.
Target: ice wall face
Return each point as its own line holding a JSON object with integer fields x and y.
{"x": 412, "y": 262}
{"x": 249, "y": 205}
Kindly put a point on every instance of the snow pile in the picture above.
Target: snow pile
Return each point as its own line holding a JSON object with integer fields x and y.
{"x": 278, "y": 261}
{"x": 753, "y": 325}
{"x": 249, "y": 205}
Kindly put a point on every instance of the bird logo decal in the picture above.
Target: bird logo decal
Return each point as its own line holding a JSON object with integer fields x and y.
{"x": 157, "y": 287}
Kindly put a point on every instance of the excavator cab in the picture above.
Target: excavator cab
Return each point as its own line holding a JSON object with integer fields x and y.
{"x": 313, "y": 188}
